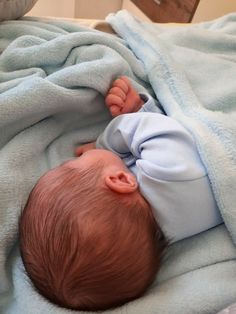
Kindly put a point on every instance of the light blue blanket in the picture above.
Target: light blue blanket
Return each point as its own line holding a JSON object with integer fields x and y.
{"x": 52, "y": 86}
{"x": 193, "y": 73}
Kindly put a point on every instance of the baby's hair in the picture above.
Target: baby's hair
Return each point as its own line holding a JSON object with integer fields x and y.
{"x": 85, "y": 247}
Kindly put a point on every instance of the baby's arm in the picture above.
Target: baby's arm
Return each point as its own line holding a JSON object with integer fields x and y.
{"x": 123, "y": 98}
{"x": 151, "y": 139}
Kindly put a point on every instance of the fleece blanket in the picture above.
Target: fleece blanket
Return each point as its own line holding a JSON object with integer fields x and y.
{"x": 53, "y": 78}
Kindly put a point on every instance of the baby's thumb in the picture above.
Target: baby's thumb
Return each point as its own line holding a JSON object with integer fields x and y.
{"x": 114, "y": 110}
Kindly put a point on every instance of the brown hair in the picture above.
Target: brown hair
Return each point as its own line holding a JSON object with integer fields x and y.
{"x": 85, "y": 247}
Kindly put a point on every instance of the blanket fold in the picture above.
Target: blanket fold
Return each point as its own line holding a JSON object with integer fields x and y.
{"x": 53, "y": 78}
{"x": 192, "y": 72}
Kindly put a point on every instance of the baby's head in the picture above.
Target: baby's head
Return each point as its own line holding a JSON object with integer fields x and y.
{"x": 86, "y": 244}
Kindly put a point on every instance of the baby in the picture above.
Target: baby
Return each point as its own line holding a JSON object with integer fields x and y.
{"x": 94, "y": 229}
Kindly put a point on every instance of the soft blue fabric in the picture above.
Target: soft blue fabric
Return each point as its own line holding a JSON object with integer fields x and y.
{"x": 193, "y": 71}
{"x": 53, "y": 78}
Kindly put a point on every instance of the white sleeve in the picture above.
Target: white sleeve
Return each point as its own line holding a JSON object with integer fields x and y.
{"x": 153, "y": 140}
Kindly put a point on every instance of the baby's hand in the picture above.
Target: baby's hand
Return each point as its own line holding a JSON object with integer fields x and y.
{"x": 84, "y": 148}
{"x": 122, "y": 97}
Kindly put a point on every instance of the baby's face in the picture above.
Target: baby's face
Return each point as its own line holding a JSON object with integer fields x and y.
{"x": 93, "y": 156}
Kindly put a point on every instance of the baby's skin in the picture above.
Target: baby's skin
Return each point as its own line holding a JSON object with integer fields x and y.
{"x": 122, "y": 97}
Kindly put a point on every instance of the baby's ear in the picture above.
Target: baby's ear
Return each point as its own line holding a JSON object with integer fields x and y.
{"x": 121, "y": 182}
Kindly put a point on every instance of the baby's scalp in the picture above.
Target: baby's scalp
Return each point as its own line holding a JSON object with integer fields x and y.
{"x": 86, "y": 247}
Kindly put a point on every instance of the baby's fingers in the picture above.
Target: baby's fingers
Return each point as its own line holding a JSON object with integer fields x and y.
{"x": 84, "y": 148}
{"x": 117, "y": 92}
{"x": 126, "y": 81}
{"x": 122, "y": 84}
{"x": 78, "y": 151}
{"x": 115, "y": 111}
{"x": 114, "y": 103}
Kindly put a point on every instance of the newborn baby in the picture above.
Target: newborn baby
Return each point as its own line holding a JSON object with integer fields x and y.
{"x": 94, "y": 229}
